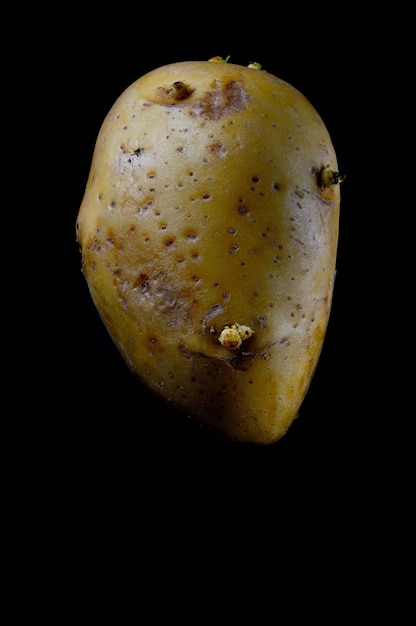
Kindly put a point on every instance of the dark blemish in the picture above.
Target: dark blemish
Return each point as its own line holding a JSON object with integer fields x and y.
{"x": 226, "y": 295}
{"x": 233, "y": 248}
{"x": 206, "y": 196}
{"x": 224, "y": 99}
{"x": 213, "y": 311}
{"x": 254, "y": 179}
{"x": 145, "y": 206}
{"x": 138, "y": 151}
{"x": 243, "y": 210}
{"x": 217, "y": 149}
{"x": 276, "y": 187}
{"x": 262, "y": 321}
{"x": 169, "y": 242}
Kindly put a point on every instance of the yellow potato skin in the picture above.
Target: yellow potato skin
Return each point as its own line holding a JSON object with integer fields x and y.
{"x": 204, "y": 208}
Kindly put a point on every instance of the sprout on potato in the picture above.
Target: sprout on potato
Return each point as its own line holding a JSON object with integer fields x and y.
{"x": 232, "y": 337}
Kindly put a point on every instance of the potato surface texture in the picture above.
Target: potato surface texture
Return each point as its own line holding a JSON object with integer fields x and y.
{"x": 208, "y": 234}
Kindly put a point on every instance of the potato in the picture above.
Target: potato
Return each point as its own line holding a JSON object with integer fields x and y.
{"x": 208, "y": 234}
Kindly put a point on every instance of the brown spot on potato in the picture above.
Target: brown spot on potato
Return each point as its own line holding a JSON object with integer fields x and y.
{"x": 225, "y": 98}
{"x": 218, "y": 149}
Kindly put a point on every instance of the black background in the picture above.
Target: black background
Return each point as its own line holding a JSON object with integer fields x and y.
{"x": 113, "y": 489}
{"x": 94, "y": 442}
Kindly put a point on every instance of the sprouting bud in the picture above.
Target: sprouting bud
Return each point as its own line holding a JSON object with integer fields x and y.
{"x": 328, "y": 177}
{"x": 232, "y": 337}
{"x": 219, "y": 59}
{"x": 254, "y": 65}
{"x": 179, "y": 90}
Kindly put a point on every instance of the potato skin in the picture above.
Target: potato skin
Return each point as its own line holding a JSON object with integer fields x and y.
{"x": 203, "y": 209}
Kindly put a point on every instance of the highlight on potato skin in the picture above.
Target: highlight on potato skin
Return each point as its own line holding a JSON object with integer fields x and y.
{"x": 208, "y": 235}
